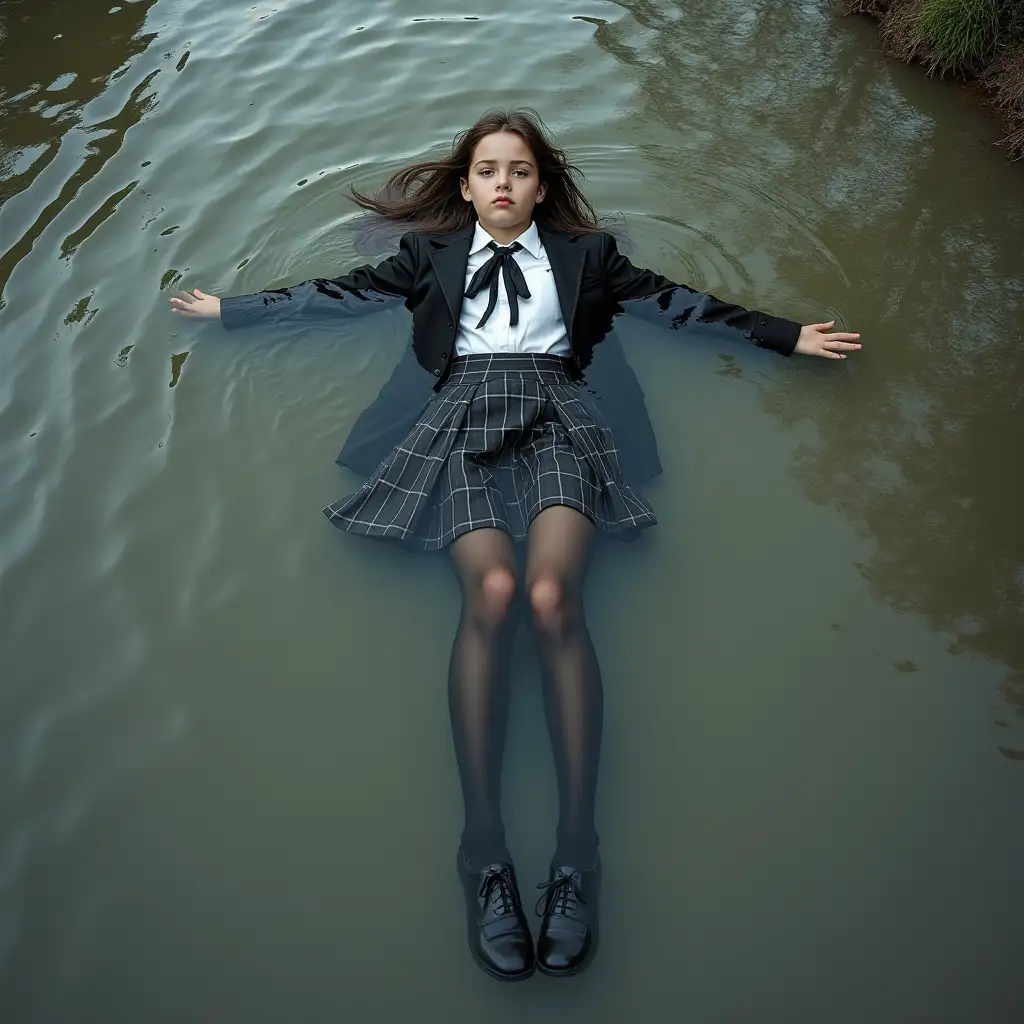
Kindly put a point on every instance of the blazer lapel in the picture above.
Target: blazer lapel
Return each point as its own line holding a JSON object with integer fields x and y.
{"x": 566, "y": 258}
{"x": 449, "y": 254}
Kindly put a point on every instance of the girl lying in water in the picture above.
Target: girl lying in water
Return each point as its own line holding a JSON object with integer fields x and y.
{"x": 511, "y": 285}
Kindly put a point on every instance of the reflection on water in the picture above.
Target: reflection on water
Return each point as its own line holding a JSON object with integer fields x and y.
{"x": 49, "y": 78}
{"x": 921, "y": 462}
{"x": 226, "y": 789}
{"x": 917, "y": 451}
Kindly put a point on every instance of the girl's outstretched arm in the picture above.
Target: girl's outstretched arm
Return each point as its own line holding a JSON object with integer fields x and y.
{"x": 364, "y": 290}
{"x": 675, "y": 306}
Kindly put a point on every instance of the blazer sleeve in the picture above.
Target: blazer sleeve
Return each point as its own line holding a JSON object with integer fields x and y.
{"x": 365, "y": 290}
{"x": 676, "y": 305}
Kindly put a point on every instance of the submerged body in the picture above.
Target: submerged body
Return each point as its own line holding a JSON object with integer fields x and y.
{"x": 512, "y": 287}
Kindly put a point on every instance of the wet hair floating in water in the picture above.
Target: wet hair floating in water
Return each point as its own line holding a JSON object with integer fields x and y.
{"x": 426, "y": 196}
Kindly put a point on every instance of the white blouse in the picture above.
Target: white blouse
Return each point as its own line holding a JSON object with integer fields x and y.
{"x": 540, "y": 329}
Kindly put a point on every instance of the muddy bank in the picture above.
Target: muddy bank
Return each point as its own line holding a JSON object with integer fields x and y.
{"x": 978, "y": 41}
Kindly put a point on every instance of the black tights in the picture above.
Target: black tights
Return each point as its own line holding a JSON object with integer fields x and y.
{"x": 558, "y": 546}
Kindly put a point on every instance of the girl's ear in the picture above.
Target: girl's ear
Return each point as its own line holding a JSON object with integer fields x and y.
{"x": 542, "y": 191}
{"x": 464, "y": 186}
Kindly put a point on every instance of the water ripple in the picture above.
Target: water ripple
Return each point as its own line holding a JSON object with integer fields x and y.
{"x": 172, "y": 601}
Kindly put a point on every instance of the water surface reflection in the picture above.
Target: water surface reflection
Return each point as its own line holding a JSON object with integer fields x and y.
{"x": 226, "y": 791}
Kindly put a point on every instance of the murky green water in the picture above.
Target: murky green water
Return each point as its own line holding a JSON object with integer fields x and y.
{"x": 226, "y": 785}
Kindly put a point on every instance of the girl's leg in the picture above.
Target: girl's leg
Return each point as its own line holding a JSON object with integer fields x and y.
{"x": 558, "y": 548}
{"x": 484, "y": 561}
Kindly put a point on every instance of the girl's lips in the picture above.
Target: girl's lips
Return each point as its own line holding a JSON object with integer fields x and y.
{"x": 502, "y": 202}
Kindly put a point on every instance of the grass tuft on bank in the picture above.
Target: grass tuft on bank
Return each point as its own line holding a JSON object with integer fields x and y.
{"x": 977, "y": 40}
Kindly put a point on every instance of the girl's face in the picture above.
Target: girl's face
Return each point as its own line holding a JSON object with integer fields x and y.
{"x": 503, "y": 185}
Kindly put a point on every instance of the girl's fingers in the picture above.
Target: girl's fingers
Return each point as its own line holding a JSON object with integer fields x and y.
{"x": 183, "y": 296}
{"x": 839, "y": 336}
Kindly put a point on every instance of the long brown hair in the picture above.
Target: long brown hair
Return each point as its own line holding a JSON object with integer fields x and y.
{"x": 426, "y": 196}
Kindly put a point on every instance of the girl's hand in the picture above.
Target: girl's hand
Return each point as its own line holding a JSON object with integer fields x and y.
{"x": 197, "y": 304}
{"x": 813, "y": 341}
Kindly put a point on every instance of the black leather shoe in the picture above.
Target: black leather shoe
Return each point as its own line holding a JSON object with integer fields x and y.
{"x": 499, "y": 937}
{"x": 568, "y": 933}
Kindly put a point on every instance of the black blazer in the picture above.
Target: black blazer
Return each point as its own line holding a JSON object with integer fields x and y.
{"x": 428, "y": 273}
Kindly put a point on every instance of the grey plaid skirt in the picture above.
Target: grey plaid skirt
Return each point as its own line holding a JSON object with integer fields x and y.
{"x": 506, "y": 437}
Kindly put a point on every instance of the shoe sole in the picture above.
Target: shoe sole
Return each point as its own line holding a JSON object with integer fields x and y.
{"x": 497, "y": 975}
{"x": 564, "y": 974}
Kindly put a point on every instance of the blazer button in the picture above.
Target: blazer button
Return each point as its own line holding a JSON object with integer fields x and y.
{"x": 444, "y": 355}
{"x": 437, "y": 373}
{"x": 451, "y": 327}
{"x": 764, "y": 323}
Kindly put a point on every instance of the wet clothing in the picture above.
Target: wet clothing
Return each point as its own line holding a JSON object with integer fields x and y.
{"x": 505, "y": 438}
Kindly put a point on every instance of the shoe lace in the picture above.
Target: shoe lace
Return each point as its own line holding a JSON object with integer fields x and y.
{"x": 562, "y": 895}
{"x": 497, "y": 885}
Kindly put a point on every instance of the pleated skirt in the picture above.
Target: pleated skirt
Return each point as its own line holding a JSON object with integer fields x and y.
{"x": 506, "y": 437}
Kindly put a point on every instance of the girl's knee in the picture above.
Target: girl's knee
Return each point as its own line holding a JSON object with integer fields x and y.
{"x": 553, "y": 606}
{"x": 496, "y": 591}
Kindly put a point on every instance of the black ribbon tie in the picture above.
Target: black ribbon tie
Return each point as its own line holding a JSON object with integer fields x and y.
{"x": 515, "y": 283}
